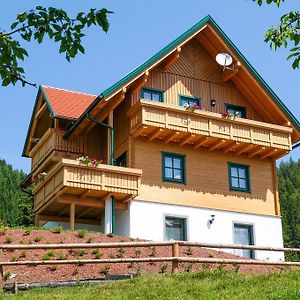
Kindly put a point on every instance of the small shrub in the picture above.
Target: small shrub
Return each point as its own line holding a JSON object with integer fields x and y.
{"x": 22, "y": 254}
{"x": 221, "y": 268}
{"x": 121, "y": 252}
{"x": 89, "y": 240}
{"x": 137, "y": 252}
{"x": 122, "y": 241}
{"x": 110, "y": 235}
{"x": 189, "y": 251}
{"x": 3, "y": 231}
{"x": 112, "y": 256}
{"x": 105, "y": 270}
{"x": 163, "y": 269}
{"x": 57, "y": 229}
{"x": 61, "y": 241}
{"x": 210, "y": 255}
{"x": 235, "y": 267}
{"x": 205, "y": 266}
{"x": 152, "y": 251}
{"x": 138, "y": 270}
{"x": 75, "y": 272}
{"x": 14, "y": 258}
{"x": 26, "y": 232}
{"x": 22, "y": 242}
{"x": 48, "y": 255}
{"x": 8, "y": 239}
{"x": 130, "y": 265}
{"x": 81, "y": 252}
{"x": 53, "y": 268}
{"x": 6, "y": 275}
{"x": 37, "y": 238}
{"x": 81, "y": 233}
{"x": 189, "y": 267}
{"x": 62, "y": 256}
{"x": 80, "y": 263}
{"x": 97, "y": 253}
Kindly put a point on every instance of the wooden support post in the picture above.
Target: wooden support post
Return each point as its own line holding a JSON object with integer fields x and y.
{"x": 72, "y": 216}
{"x": 1, "y": 279}
{"x": 175, "y": 255}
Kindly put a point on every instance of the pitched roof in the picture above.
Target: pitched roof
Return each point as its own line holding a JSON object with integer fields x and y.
{"x": 67, "y": 104}
{"x": 168, "y": 50}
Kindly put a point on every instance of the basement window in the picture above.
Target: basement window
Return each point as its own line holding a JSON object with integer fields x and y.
{"x": 175, "y": 229}
{"x": 152, "y": 94}
{"x": 239, "y": 177}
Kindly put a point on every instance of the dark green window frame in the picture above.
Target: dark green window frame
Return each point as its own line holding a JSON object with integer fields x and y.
{"x": 189, "y": 98}
{"x": 121, "y": 161}
{"x": 152, "y": 92}
{"x": 239, "y": 178}
{"x": 183, "y": 222}
{"x": 173, "y": 168}
{"x": 250, "y": 236}
{"x": 236, "y": 108}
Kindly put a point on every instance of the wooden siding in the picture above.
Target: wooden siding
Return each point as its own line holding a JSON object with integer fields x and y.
{"x": 149, "y": 114}
{"x": 73, "y": 175}
{"x": 207, "y": 183}
{"x": 203, "y": 79}
{"x": 53, "y": 140}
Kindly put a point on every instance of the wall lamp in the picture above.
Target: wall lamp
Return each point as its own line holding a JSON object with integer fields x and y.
{"x": 212, "y": 219}
{"x": 213, "y": 102}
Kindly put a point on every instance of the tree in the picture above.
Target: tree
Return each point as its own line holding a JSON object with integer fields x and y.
{"x": 286, "y": 34}
{"x": 39, "y": 23}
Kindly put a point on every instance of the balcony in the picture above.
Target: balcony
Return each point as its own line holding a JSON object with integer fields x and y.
{"x": 72, "y": 182}
{"x": 173, "y": 124}
{"x": 53, "y": 140}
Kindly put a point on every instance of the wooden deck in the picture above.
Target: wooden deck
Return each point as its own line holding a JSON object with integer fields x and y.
{"x": 53, "y": 140}
{"x": 170, "y": 123}
{"x": 71, "y": 181}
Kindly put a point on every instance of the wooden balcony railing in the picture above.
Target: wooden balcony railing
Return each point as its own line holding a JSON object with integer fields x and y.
{"x": 53, "y": 140}
{"x": 71, "y": 178}
{"x": 170, "y": 123}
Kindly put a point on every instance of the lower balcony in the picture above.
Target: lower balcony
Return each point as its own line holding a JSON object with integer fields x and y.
{"x": 87, "y": 187}
{"x": 174, "y": 124}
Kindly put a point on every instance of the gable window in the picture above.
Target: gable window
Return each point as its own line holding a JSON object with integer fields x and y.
{"x": 121, "y": 160}
{"x": 189, "y": 100}
{"x": 175, "y": 229}
{"x": 239, "y": 177}
{"x": 151, "y": 94}
{"x": 173, "y": 167}
{"x": 243, "y": 235}
{"x": 238, "y": 111}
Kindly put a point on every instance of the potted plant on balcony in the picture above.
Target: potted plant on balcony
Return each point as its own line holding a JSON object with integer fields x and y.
{"x": 91, "y": 162}
{"x": 229, "y": 116}
{"x": 191, "y": 107}
{"x": 42, "y": 176}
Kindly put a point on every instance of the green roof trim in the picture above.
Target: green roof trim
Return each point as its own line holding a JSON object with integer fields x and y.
{"x": 172, "y": 46}
{"x": 40, "y": 91}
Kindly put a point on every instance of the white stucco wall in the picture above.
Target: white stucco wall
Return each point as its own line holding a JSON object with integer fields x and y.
{"x": 147, "y": 221}
{"x": 122, "y": 222}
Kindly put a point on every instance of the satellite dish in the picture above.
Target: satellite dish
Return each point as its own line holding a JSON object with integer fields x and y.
{"x": 224, "y": 60}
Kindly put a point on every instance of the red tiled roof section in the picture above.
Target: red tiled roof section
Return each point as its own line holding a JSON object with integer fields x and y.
{"x": 68, "y": 104}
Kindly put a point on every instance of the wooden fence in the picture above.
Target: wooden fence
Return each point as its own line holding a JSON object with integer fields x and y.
{"x": 175, "y": 258}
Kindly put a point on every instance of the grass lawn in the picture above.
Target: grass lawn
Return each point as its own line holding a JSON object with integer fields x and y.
{"x": 206, "y": 285}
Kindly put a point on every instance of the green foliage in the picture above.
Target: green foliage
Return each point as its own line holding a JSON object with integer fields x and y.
{"x": 286, "y": 34}
{"x": 289, "y": 192}
{"x": 16, "y": 207}
{"x": 81, "y": 233}
{"x": 38, "y": 24}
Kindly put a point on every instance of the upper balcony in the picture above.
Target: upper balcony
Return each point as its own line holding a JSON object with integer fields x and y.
{"x": 70, "y": 181}
{"x": 170, "y": 123}
{"x": 53, "y": 140}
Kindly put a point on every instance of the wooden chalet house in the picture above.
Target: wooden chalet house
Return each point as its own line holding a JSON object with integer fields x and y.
{"x": 168, "y": 170}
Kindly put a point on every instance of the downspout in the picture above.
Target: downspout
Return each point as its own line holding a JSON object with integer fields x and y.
{"x": 112, "y": 135}
{"x": 295, "y": 146}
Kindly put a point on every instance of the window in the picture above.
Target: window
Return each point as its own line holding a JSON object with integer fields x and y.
{"x": 175, "y": 229}
{"x": 153, "y": 95}
{"x": 121, "y": 160}
{"x": 173, "y": 167}
{"x": 243, "y": 235}
{"x": 239, "y": 177}
{"x": 188, "y": 100}
{"x": 235, "y": 110}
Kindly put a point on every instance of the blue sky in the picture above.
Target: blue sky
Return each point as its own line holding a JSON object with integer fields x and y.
{"x": 138, "y": 30}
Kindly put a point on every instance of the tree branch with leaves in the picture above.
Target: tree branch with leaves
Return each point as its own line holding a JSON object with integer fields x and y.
{"x": 286, "y": 34}
{"x": 39, "y": 23}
